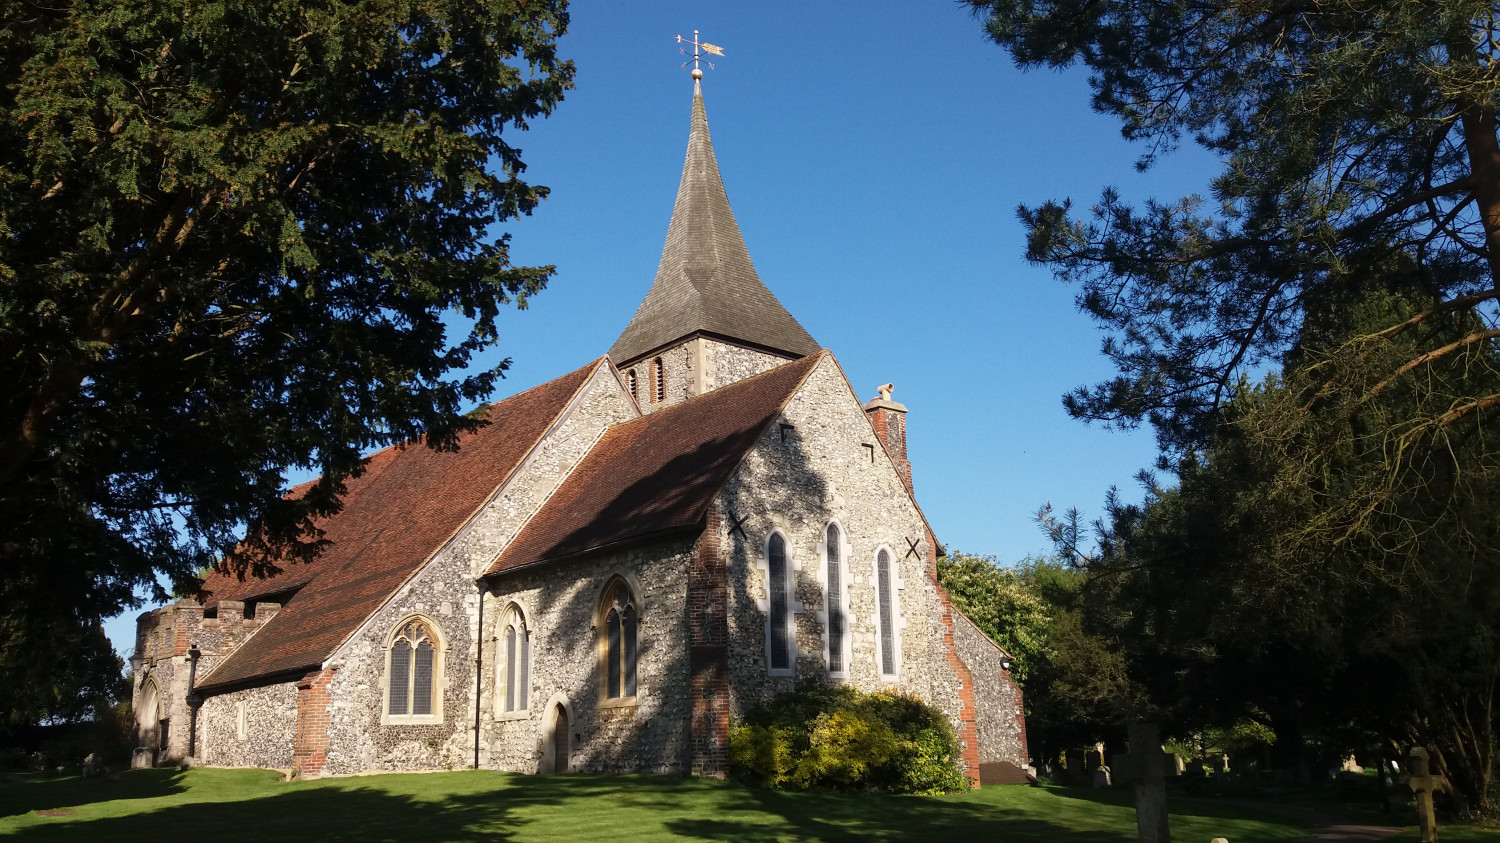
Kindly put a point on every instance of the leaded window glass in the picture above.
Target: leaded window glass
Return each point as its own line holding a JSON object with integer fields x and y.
{"x": 401, "y": 677}
{"x": 412, "y": 678}
{"x": 779, "y": 633}
{"x": 627, "y": 631}
{"x": 510, "y": 668}
{"x": 523, "y": 685}
{"x": 887, "y": 614}
{"x": 612, "y": 627}
{"x": 835, "y": 602}
{"x": 514, "y": 677}
{"x": 621, "y": 631}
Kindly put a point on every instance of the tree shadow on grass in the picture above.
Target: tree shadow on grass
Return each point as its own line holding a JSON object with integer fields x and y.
{"x": 72, "y": 791}
{"x": 1180, "y": 806}
{"x": 819, "y": 817}
{"x": 498, "y": 806}
{"x": 363, "y": 813}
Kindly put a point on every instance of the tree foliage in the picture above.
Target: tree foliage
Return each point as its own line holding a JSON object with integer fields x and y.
{"x": 1348, "y": 131}
{"x": 1292, "y": 576}
{"x": 1076, "y": 681}
{"x": 237, "y": 238}
{"x": 75, "y": 678}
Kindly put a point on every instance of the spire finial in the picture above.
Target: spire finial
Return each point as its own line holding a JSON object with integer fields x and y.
{"x": 704, "y": 47}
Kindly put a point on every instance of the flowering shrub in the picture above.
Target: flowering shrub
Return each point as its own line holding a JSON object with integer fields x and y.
{"x": 836, "y": 738}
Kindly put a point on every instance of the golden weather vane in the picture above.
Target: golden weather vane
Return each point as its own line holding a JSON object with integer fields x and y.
{"x": 704, "y": 47}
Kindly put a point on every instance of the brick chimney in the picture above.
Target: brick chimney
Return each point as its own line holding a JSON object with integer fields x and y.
{"x": 889, "y": 420}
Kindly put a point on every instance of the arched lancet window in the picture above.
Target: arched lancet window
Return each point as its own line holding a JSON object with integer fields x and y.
{"x": 779, "y": 639}
{"x": 412, "y": 673}
{"x": 633, "y": 382}
{"x": 658, "y": 381}
{"x": 837, "y": 620}
{"x": 621, "y": 624}
{"x": 885, "y": 587}
{"x": 515, "y": 665}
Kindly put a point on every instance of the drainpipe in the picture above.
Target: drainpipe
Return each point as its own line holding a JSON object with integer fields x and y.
{"x": 193, "y": 700}
{"x": 478, "y": 671}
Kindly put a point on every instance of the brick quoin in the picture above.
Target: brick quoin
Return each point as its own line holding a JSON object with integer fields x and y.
{"x": 968, "y": 718}
{"x": 708, "y": 651}
{"x": 311, "y": 750}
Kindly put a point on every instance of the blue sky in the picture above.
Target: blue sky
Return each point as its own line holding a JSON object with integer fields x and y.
{"x": 874, "y": 155}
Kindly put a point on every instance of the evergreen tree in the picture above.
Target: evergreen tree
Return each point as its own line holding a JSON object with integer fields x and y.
{"x": 1345, "y": 129}
{"x": 237, "y": 238}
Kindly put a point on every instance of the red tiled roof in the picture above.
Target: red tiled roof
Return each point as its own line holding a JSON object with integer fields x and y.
{"x": 406, "y": 505}
{"x": 657, "y": 473}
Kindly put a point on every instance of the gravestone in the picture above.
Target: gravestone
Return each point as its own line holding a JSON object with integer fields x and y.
{"x": 1101, "y": 776}
{"x": 1146, "y": 767}
{"x": 1075, "y": 766}
{"x": 93, "y": 766}
{"x": 1423, "y": 783}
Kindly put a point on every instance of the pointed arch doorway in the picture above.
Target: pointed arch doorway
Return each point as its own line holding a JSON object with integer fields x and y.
{"x": 561, "y": 744}
{"x": 557, "y": 737}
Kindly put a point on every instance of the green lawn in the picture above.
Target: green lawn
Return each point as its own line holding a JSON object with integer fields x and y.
{"x": 227, "y": 805}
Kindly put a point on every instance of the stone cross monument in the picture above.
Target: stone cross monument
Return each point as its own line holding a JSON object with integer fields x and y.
{"x": 1423, "y": 783}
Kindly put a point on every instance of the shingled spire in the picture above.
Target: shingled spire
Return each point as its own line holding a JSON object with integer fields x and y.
{"x": 706, "y": 284}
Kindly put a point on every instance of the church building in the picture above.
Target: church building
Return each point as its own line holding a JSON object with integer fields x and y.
{"x": 619, "y": 563}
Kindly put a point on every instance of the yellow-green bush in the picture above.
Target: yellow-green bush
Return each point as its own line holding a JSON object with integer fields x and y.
{"x": 836, "y": 738}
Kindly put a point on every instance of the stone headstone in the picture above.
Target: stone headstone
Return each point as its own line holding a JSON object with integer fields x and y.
{"x": 1075, "y": 765}
{"x": 1174, "y": 764}
{"x": 142, "y": 758}
{"x": 1101, "y": 777}
{"x": 93, "y": 766}
{"x": 1195, "y": 769}
{"x": 1145, "y": 767}
{"x": 1352, "y": 766}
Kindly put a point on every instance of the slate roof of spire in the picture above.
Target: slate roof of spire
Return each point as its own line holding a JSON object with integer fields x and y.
{"x": 706, "y": 282}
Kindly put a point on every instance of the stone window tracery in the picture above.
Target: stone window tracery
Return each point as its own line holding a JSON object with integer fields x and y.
{"x": 515, "y": 665}
{"x": 413, "y": 673}
{"x": 620, "y": 645}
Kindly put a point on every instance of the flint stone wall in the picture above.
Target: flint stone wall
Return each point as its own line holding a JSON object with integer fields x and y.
{"x": 445, "y": 593}
{"x": 997, "y": 700}
{"x": 560, "y": 602}
{"x": 798, "y": 479}
{"x": 725, "y": 364}
{"x": 722, "y": 364}
{"x": 270, "y": 727}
